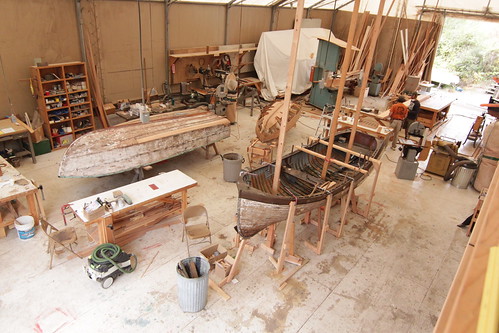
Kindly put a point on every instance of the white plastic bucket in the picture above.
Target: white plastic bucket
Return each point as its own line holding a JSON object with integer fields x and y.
{"x": 25, "y": 226}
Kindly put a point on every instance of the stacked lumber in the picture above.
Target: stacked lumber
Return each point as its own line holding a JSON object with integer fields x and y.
{"x": 416, "y": 55}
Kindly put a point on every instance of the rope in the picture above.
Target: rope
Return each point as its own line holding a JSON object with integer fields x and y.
{"x": 106, "y": 253}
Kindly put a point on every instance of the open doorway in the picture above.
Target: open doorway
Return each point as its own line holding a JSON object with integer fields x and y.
{"x": 467, "y": 60}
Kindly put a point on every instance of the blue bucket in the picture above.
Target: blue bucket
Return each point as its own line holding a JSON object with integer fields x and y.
{"x": 25, "y": 226}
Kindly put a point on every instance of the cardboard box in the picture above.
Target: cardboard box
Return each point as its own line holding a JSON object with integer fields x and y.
{"x": 356, "y": 92}
{"x": 37, "y": 135}
{"x": 109, "y": 108}
{"x": 213, "y": 253}
{"x": 223, "y": 267}
{"x": 412, "y": 83}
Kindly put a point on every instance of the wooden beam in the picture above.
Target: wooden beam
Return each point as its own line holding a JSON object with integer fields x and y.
{"x": 339, "y": 98}
{"x": 367, "y": 70}
{"x": 182, "y": 130}
{"x": 287, "y": 95}
{"x": 331, "y": 160}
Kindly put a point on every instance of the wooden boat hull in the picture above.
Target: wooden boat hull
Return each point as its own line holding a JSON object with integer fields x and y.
{"x": 269, "y": 123}
{"x": 133, "y": 145}
{"x": 259, "y": 208}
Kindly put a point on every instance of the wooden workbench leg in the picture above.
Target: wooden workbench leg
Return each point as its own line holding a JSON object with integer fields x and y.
{"x": 32, "y": 207}
{"x": 184, "y": 200}
{"x": 31, "y": 149}
{"x": 105, "y": 234}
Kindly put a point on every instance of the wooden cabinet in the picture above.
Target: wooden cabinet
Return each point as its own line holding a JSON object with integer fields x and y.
{"x": 64, "y": 101}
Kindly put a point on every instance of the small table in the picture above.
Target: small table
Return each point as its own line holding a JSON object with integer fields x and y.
{"x": 16, "y": 131}
{"x": 153, "y": 200}
{"x": 14, "y": 186}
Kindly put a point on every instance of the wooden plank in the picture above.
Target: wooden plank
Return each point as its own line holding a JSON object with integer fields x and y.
{"x": 219, "y": 290}
{"x": 339, "y": 98}
{"x": 183, "y": 130}
{"x": 95, "y": 82}
{"x": 367, "y": 69}
{"x": 282, "y": 282}
{"x": 460, "y": 310}
{"x": 331, "y": 160}
{"x": 193, "y": 270}
{"x": 287, "y": 95}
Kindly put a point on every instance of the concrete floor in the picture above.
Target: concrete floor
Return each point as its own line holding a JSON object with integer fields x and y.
{"x": 387, "y": 273}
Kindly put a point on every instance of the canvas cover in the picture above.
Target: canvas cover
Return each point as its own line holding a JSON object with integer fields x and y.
{"x": 273, "y": 54}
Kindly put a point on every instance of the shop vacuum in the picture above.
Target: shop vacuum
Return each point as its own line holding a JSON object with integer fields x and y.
{"x": 107, "y": 262}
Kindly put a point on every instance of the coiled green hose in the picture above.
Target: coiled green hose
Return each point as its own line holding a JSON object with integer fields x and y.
{"x": 107, "y": 252}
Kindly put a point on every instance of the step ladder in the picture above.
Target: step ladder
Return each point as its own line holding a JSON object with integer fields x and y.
{"x": 324, "y": 125}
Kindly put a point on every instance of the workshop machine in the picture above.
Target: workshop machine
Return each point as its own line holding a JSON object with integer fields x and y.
{"x": 407, "y": 164}
{"x": 107, "y": 262}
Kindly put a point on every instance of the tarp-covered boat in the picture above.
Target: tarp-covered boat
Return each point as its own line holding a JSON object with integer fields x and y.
{"x": 300, "y": 181}
{"x": 134, "y": 144}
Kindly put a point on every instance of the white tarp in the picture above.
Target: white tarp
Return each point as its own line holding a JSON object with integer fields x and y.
{"x": 272, "y": 59}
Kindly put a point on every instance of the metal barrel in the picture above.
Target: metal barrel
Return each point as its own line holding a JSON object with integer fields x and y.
{"x": 193, "y": 292}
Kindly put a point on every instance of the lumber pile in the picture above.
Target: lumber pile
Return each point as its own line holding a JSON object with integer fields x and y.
{"x": 417, "y": 47}
{"x": 416, "y": 54}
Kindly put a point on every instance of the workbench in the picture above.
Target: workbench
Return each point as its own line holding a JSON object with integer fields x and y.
{"x": 14, "y": 186}
{"x": 10, "y": 131}
{"x": 153, "y": 200}
{"x": 434, "y": 109}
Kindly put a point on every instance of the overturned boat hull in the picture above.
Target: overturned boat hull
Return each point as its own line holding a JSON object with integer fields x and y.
{"x": 133, "y": 145}
{"x": 300, "y": 181}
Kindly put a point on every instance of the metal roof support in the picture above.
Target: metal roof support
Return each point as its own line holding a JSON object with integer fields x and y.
{"x": 274, "y": 8}
{"x": 227, "y": 7}
{"x": 80, "y": 30}
{"x": 487, "y": 14}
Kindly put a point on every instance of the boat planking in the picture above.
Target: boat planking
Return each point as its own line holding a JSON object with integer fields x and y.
{"x": 134, "y": 144}
{"x": 300, "y": 181}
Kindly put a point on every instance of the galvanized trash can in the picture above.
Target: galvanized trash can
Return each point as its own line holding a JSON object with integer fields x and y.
{"x": 232, "y": 166}
{"x": 192, "y": 291}
{"x": 463, "y": 175}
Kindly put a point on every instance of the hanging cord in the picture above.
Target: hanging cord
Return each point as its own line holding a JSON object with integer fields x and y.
{"x": 6, "y": 86}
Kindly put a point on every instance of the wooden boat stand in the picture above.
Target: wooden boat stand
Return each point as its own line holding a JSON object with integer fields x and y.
{"x": 324, "y": 226}
{"x": 376, "y": 165}
{"x": 288, "y": 243}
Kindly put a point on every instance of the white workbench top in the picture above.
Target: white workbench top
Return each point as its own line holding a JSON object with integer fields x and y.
{"x": 140, "y": 192}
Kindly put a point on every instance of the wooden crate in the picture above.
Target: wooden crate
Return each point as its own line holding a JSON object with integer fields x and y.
{"x": 260, "y": 152}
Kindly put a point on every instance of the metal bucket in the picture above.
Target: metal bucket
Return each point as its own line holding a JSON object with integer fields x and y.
{"x": 232, "y": 166}
{"x": 463, "y": 175}
{"x": 193, "y": 292}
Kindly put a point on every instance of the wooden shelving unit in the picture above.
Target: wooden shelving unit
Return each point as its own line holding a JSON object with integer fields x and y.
{"x": 64, "y": 101}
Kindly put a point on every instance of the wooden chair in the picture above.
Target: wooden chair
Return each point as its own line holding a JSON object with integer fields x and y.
{"x": 476, "y": 130}
{"x": 64, "y": 238}
{"x": 196, "y": 231}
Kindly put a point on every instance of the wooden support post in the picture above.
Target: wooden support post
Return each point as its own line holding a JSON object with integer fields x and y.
{"x": 346, "y": 200}
{"x": 323, "y": 227}
{"x": 373, "y": 188}
{"x": 219, "y": 290}
{"x": 286, "y": 241}
{"x": 270, "y": 240}
{"x": 287, "y": 94}
{"x": 234, "y": 268}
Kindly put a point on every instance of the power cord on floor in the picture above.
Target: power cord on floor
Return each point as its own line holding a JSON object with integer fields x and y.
{"x": 388, "y": 158}
{"x": 427, "y": 177}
